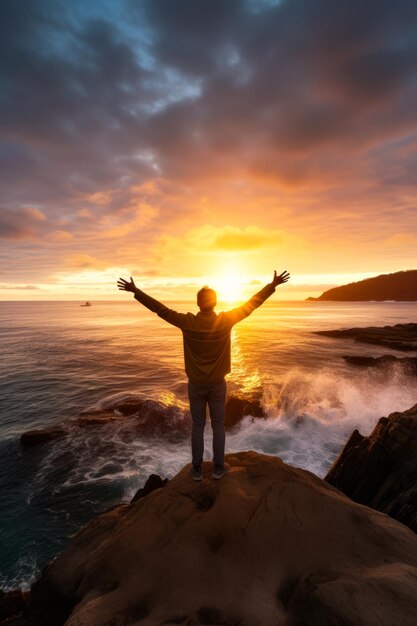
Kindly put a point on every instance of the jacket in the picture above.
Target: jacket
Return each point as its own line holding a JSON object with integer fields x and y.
{"x": 206, "y": 335}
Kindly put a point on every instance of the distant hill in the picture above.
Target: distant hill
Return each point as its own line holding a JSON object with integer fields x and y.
{"x": 398, "y": 286}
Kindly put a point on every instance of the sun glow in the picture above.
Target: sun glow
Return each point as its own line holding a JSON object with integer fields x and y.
{"x": 229, "y": 287}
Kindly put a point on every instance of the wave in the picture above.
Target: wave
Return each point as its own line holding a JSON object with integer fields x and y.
{"x": 144, "y": 435}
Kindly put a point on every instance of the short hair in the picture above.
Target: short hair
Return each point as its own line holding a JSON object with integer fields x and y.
{"x": 206, "y": 298}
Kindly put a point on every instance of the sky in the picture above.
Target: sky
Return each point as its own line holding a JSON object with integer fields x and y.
{"x": 193, "y": 142}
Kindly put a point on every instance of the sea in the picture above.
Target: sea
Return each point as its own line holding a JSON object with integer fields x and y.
{"x": 59, "y": 359}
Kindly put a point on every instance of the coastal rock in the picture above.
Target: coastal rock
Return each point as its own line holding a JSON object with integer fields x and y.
{"x": 381, "y": 470}
{"x": 397, "y": 337}
{"x": 12, "y": 603}
{"x": 37, "y": 436}
{"x": 408, "y": 364}
{"x": 94, "y": 418}
{"x": 237, "y": 407}
{"x": 267, "y": 544}
{"x": 400, "y": 286}
{"x": 145, "y": 417}
{"x": 154, "y": 482}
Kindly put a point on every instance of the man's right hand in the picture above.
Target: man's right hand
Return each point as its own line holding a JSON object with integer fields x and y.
{"x": 125, "y": 285}
{"x": 282, "y": 278}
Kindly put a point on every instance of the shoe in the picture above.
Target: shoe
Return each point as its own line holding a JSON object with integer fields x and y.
{"x": 219, "y": 471}
{"x": 196, "y": 472}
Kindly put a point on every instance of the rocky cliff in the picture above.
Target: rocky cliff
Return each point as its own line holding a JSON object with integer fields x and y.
{"x": 397, "y": 286}
{"x": 381, "y": 470}
{"x": 267, "y": 545}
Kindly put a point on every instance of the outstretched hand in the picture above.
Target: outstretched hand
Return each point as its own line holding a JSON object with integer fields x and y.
{"x": 282, "y": 278}
{"x": 125, "y": 285}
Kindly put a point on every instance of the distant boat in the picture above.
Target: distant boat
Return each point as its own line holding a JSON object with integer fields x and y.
{"x": 86, "y": 304}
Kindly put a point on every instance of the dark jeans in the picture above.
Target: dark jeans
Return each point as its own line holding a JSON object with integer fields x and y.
{"x": 213, "y": 394}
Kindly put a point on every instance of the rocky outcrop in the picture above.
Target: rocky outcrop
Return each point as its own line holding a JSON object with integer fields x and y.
{"x": 267, "y": 544}
{"x": 35, "y": 437}
{"x": 238, "y": 407}
{"x": 400, "y": 286}
{"x": 381, "y": 470}
{"x": 398, "y": 337}
{"x": 407, "y": 364}
{"x": 12, "y": 604}
{"x": 154, "y": 482}
{"x": 145, "y": 417}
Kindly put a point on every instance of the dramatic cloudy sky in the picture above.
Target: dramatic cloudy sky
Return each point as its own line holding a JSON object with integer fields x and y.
{"x": 178, "y": 141}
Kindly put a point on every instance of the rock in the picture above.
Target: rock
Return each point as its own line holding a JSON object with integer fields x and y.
{"x": 130, "y": 406}
{"x": 267, "y": 544}
{"x": 158, "y": 419}
{"x": 12, "y": 603}
{"x": 381, "y": 470}
{"x": 38, "y": 436}
{"x": 398, "y": 337}
{"x": 145, "y": 417}
{"x": 94, "y": 418}
{"x": 154, "y": 482}
{"x": 408, "y": 364}
{"x": 238, "y": 407}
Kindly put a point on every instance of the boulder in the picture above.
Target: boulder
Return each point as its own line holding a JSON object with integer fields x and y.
{"x": 95, "y": 418}
{"x": 154, "y": 482}
{"x": 408, "y": 364}
{"x": 267, "y": 545}
{"x": 37, "y": 436}
{"x": 237, "y": 407}
{"x": 12, "y": 603}
{"x": 145, "y": 417}
{"x": 381, "y": 470}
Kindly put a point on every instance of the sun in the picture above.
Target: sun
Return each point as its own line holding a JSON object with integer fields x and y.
{"x": 229, "y": 287}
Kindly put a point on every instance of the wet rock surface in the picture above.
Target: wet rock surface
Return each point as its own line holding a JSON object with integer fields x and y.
{"x": 381, "y": 470}
{"x": 408, "y": 364}
{"x": 144, "y": 416}
{"x": 398, "y": 337}
{"x": 42, "y": 435}
{"x": 237, "y": 407}
{"x": 12, "y": 604}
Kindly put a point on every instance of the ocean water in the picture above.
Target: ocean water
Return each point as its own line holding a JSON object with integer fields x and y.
{"x": 59, "y": 359}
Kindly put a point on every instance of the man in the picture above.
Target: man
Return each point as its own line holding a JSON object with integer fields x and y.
{"x": 206, "y": 339}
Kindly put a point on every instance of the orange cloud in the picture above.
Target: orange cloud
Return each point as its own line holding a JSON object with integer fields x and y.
{"x": 237, "y": 239}
{"x": 60, "y": 236}
{"x": 401, "y": 239}
{"x": 100, "y": 198}
{"x": 117, "y": 226}
{"x": 84, "y": 261}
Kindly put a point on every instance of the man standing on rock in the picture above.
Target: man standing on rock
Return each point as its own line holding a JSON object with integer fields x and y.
{"x": 206, "y": 338}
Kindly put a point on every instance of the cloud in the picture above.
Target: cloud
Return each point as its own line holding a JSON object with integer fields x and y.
{"x": 190, "y": 87}
{"x": 20, "y": 224}
{"x": 132, "y": 219}
{"x": 147, "y": 121}
{"x": 99, "y": 197}
{"x": 242, "y": 239}
{"x": 401, "y": 239}
{"x": 60, "y": 236}
{"x": 8, "y": 286}
{"x": 81, "y": 261}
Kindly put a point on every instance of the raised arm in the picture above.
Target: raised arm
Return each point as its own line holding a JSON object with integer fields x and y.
{"x": 238, "y": 314}
{"x": 169, "y": 315}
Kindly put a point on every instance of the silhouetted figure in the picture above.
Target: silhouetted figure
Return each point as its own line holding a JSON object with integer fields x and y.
{"x": 206, "y": 339}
